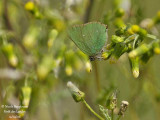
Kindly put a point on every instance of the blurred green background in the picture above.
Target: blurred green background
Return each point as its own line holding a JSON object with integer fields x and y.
{"x": 37, "y": 59}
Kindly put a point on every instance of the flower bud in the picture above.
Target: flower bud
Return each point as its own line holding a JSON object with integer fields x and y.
{"x": 46, "y": 65}
{"x": 119, "y": 23}
{"x": 52, "y": 36}
{"x": 130, "y": 31}
{"x": 88, "y": 66}
{"x": 157, "y": 18}
{"x": 30, "y": 38}
{"x": 147, "y": 23}
{"x": 142, "y": 32}
{"x": 121, "y": 31}
{"x": 135, "y": 28}
{"x": 145, "y": 57}
{"x": 76, "y": 93}
{"x": 68, "y": 70}
{"x": 59, "y": 24}
{"x": 13, "y": 60}
{"x": 25, "y": 99}
{"x": 158, "y": 15}
{"x": 119, "y": 12}
{"x": 129, "y": 47}
{"x": 107, "y": 54}
{"x": 110, "y": 46}
{"x": 9, "y": 53}
{"x": 156, "y": 47}
{"x": 134, "y": 62}
{"x": 119, "y": 49}
{"x": 29, "y": 6}
{"x": 123, "y": 108}
{"x": 26, "y": 95}
{"x": 111, "y": 102}
{"x": 139, "y": 51}
{"x": 117, "y": 39}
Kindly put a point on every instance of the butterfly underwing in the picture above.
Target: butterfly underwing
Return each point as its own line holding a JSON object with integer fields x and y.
{"x": 90, "y": 38}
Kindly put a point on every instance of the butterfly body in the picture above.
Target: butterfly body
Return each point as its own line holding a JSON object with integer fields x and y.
{"x": 90, "y": 38}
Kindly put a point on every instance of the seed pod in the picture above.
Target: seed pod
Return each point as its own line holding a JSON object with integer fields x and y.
{"x": 75, "y": 92}
{"x": 140, "y": 50}
{"x": 123, "y": 108}
{"x": 134, "y": 62}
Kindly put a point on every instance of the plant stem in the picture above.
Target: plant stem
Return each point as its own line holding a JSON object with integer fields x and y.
{"x": 151, "y": 36}
{"x": 130, "y": 39}
{"x": 135, "y": 40}
{"x": 112, "y": 115}
{"x": 7, "y": 23}
{"x": 97, "y": 77}
{"x": 92, "y": 110}
{"x": 119, "y": 117}
{"x": 88, "y": 11}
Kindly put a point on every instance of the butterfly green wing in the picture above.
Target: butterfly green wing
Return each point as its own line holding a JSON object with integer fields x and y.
{"x": 75, "y": 34}
{"x": 90, "y": 38}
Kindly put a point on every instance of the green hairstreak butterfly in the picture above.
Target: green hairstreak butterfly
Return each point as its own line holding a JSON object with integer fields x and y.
{"x": 90, "y": 38}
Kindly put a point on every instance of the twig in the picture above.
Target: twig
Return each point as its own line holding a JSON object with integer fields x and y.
{"x": 97, "y": 77}
{"x": 119, "y": 117}
{"x": 112, "y": 114}
{"x": 9, "y": 25}
{"x": 88, "y": 11}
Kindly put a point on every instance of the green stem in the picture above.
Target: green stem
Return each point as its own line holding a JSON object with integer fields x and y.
{"x": 97, "y": 77}
{"x": 130, "y": 39}
{"x": 112, "y": 115}
{"x": 92, "y": 110}
{"x": 135, "y": 40}
{"x": 151, "y": 36}
{"x": 119, "y": 117}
